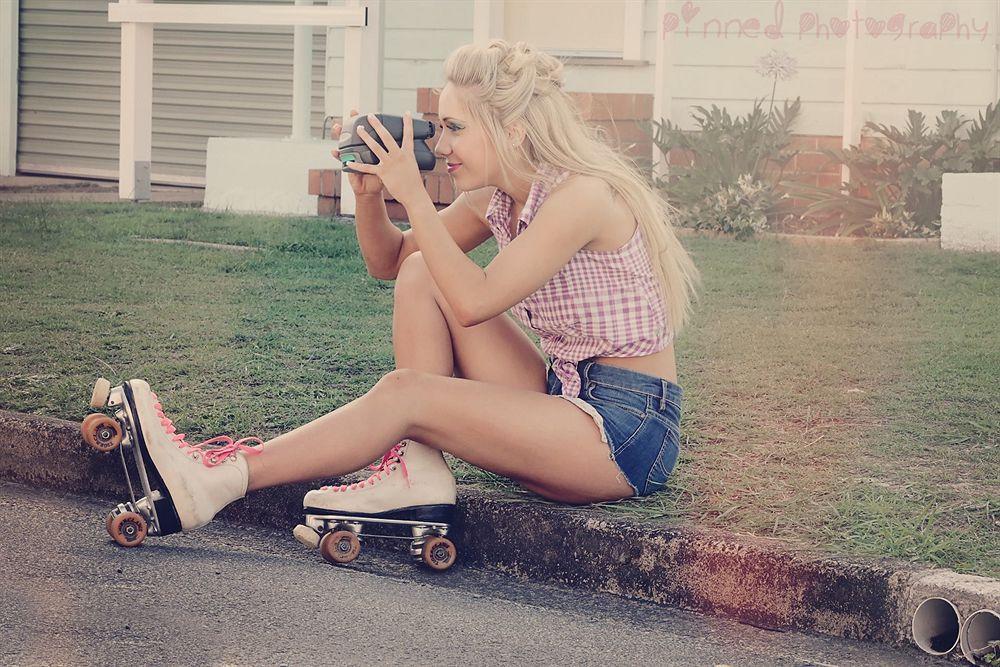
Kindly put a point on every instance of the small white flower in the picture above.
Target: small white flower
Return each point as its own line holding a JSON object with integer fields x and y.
{"x": 776, "y": 64}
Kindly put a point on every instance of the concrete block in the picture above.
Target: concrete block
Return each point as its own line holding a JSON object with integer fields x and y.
{"x": 970, "y": 212}
{"x": 264, "y": 174}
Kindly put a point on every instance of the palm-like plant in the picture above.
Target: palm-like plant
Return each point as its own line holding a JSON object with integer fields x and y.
{"x": 895, "y": 187}
{"x": 725, "y": 149}
{"x": 984, "y": 140}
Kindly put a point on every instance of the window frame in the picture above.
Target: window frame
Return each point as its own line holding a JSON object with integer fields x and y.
{"x": 488, "y": 22}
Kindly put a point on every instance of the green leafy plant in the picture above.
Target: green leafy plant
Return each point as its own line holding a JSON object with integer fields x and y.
{"x": 731, "y": 184}
{"x": 984, "y": 140}
{"x": 739, "y": 209}
{"x": 895, "y": 187}
{"x": 990, "y": 654}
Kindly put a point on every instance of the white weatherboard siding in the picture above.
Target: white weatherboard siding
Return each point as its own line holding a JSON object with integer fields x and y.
{"x": 930, "y": 74}
{"x": 208, "y": 81}
{"x": 420, "y": 35}
{"x": 713, "y": 63}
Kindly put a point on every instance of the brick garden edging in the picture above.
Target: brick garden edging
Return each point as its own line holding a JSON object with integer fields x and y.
{"x": 815, "y": 239}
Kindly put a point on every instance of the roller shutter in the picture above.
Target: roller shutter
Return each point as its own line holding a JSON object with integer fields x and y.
{"x": 208, "y": 81}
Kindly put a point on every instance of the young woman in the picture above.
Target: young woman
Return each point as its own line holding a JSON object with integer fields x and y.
{"x": 587, "y": 259}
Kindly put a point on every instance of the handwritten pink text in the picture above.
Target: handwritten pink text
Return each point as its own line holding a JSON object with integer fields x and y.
{"x": 812, "y": 24}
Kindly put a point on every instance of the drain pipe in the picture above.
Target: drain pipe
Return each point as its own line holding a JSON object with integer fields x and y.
{"x": 978, "y": 631}
{"x": 935, "y": 626}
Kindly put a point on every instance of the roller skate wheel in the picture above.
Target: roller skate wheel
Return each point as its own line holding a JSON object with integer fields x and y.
{"x": 101, "y": 432}
{"x": 87, "y": 425}
{"x": 102, "y": 389}
{"x": 107, "y": 523}
{"x": 306, "y": 536}
{"x": 340, "y": 547}
{"x": 128, "y": 529}
{"x": 439, "y": 553}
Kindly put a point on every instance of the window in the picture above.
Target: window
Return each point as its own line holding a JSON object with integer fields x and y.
{"x": 609, "y": 29}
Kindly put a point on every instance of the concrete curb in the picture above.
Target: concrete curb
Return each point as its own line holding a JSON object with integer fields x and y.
{"x": 758, "y": 581}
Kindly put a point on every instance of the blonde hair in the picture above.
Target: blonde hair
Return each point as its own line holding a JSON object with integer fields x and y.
{"x": 507, "y": 83}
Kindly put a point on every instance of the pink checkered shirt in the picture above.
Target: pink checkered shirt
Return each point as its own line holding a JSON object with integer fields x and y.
{"x": 600, "y": 304}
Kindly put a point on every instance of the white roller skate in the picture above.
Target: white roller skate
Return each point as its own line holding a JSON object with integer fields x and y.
{"x": 412, "y": 486}
{"x": 198, "y": 480}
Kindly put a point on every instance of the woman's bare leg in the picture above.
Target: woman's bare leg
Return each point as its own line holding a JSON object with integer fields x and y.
{"x": 421, "y": 340}
{"x": 427, "y": 336}
{"x": 357, "y": 433}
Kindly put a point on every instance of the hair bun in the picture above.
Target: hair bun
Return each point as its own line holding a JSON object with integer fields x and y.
{"x": 520, "y": 60}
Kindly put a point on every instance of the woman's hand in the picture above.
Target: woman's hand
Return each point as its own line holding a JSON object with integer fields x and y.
{"x": 397, "y": 166}
{"x": 362, "y": 184}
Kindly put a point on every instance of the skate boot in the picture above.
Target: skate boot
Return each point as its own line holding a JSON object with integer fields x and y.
{"x": 412, "y": 487}
{"x": 198, "y": 479}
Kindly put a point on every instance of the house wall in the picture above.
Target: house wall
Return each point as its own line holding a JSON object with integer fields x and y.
{"x": 420, "y": 35}
{"x": 237, "y": 81}
{"x": 713, "y": 52}
{"x": 928, "y": 55}
{"x": 208, "y": 81}
{"x": 714, "y": 47}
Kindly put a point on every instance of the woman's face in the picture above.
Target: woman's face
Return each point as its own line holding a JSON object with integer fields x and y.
{"x": 472, "y": 162}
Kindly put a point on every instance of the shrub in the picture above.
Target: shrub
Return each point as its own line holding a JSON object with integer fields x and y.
{"x": 895, "y": 187}
{"x": 727, "y": 188}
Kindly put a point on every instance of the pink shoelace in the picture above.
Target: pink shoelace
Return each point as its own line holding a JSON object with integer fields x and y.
{"x": 384, "y": 466}
{"x": 210, "y": 456}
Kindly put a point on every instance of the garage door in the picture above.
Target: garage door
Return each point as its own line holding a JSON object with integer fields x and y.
{"x": 211, "y": 81}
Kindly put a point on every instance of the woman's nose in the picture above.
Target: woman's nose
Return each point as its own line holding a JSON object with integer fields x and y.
{"x": 441, "y": 148}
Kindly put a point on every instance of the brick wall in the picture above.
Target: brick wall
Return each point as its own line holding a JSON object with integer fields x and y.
{"x": 619, "y": 115}
{"x": 810, "y": 166}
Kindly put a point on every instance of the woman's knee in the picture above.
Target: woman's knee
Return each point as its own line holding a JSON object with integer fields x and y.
{"x": 398, "y": 391}
{"x": 415, "y": 278}
{"x": 397, "y": 383}
{"x": 413, "y": 273}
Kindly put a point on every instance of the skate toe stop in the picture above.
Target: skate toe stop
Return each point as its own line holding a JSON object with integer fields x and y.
{"x": 306, "y": 536}
{"x": 99, "y": 397}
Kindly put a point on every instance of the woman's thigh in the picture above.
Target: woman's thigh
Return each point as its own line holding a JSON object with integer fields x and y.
{"x": 496, "y": 351}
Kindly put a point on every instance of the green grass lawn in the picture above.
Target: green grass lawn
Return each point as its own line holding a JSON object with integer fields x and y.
{"x": 846, "y": 398}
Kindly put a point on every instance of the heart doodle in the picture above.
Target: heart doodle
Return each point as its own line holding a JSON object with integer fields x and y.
{"x": 689, "y": 11}
{"x": 948, "y": 21}
{"x": 874, "y": 27}
{"x": 807, "y": 22}
{"x": 839, "y": 26}
{"x": 670, "y": 23}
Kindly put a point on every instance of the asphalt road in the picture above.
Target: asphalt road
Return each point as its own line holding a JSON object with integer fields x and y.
{"x": 229, "y": 594}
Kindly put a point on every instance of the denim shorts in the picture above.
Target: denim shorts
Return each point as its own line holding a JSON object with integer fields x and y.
{"x": 638, "y": 415}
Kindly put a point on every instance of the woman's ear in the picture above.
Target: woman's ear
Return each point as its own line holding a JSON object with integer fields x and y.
{"x": 516, "y": 135}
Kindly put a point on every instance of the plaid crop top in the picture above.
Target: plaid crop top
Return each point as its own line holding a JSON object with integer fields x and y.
{"x": 601, "y": 303}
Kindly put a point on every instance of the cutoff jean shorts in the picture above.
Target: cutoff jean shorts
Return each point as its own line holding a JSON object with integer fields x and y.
{"x": 638, "y": 416}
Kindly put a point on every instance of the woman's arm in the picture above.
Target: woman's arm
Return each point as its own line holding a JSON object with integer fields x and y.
{"x": 570, "y": 218}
